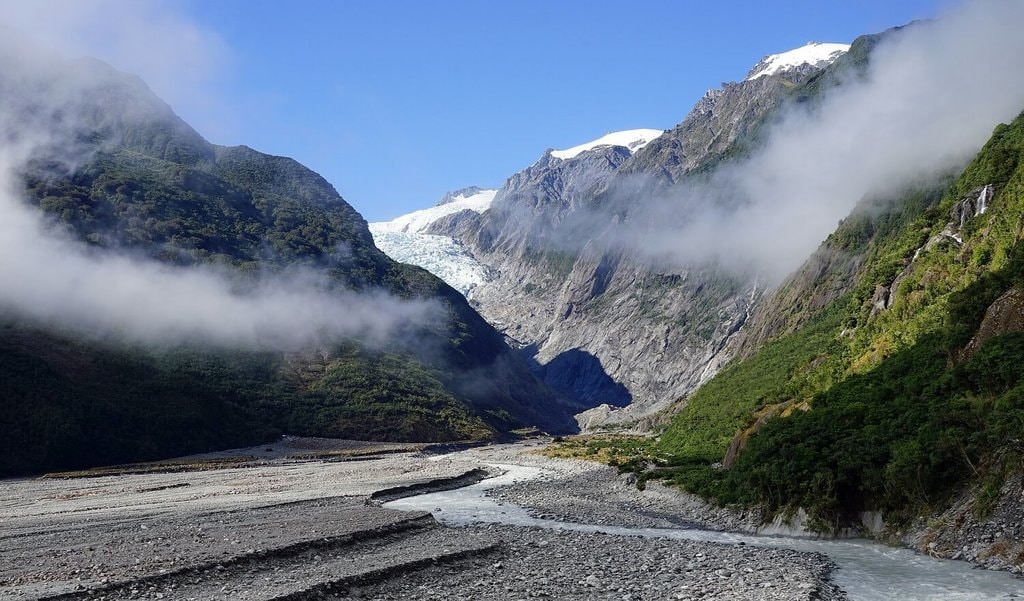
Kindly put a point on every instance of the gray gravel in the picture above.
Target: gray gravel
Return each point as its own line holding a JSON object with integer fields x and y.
{"x": 289, "y": 528}
{"x": 563, "y": 564}
{"x": 590, "y": 493}
{"x": 571, "y": 565}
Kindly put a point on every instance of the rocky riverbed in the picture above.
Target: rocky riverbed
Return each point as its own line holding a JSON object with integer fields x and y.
{"x": 591, "y": 493}
{"x": 295, "y": 520}
{"x": 561, "y": 564}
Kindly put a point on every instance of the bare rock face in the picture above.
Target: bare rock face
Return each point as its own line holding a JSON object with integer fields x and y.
{"x": 734, "y": 112}
{"x": 602, "y": 324}
{"x": 828, "y": 274}
{"x": 1003, "y": 316}
{"x": 984, "y": 529}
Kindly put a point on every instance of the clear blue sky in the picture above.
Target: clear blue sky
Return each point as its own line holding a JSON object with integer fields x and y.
{"x": 396, "y": 102}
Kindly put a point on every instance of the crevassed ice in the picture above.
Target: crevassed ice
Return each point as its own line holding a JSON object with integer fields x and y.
{"x": 403, "y": 240}
{"x": 440, "y": 255}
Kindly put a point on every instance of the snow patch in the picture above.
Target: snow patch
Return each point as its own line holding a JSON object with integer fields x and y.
{"x": 815, "y": 54}
{"x": 633, "y": 139}
{"x": 418, "y": 221}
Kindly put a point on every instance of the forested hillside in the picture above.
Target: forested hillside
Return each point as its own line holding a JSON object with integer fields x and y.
{"x": 903, "y": 385}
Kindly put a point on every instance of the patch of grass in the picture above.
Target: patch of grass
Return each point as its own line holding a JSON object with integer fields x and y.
{"x": 614, "y": 450}
{"x": 988, "y": 495}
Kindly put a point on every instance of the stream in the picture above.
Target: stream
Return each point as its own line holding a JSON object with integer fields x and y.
{"x": 867, "y": 571}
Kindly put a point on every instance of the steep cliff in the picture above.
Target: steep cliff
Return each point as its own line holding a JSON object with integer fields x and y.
{"x": 605, "y": 324}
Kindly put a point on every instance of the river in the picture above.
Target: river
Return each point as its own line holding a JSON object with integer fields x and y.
{"x": 867, "y": 571}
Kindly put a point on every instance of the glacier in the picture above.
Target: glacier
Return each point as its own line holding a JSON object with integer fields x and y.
{"x": 440, "y": 255}
{"x": 404, "y": 240}
{"x": 478, "y": 200}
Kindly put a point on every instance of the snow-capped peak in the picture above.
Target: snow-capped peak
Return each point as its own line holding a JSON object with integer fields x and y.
{"x": 815, "y": 54}
{"x": 633, "y": 139}
{"x": 472, "y": 198}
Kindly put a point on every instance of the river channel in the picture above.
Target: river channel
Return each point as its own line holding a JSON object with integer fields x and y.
{"x": 867, "y": 571}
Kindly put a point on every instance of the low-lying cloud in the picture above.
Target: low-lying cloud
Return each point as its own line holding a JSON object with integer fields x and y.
{"x": 931, "y": 97}
{"x": 51, "y": 279}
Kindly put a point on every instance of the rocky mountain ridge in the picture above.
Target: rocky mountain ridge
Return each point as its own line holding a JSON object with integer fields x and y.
{"x": 602, "y": 325}
{"x": 813, "y": 56}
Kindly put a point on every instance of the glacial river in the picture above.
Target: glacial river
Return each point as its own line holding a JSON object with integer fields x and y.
{"x": 867, "y": 571}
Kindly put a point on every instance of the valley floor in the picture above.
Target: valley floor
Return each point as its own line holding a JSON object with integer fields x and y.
{"x": 295, "y": 520}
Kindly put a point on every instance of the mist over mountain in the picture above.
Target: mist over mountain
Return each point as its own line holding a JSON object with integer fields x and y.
{"x": 643, "y": 264}
{"x": 229, "y": 282}
{"x": 809, "y": 289}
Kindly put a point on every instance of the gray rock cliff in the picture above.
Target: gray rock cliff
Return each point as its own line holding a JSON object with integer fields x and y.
{"x": 602, "y": 323}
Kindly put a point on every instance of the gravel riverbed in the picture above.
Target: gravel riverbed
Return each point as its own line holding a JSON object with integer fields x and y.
{"x": 591, "y": 493}
{"x": 300, "y": 524}
{"x": 561, "y": 564}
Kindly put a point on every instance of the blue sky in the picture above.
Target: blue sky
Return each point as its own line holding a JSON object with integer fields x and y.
{"x": 396, "y": 102}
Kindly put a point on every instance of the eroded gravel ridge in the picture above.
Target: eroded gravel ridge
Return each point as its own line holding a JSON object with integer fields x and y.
{"x": 560, "y": 564}
{"x": 305, "y": 571}
{"x": 104, "y": 555}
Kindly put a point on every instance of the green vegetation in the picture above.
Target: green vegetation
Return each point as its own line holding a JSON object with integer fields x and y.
{"x": 788, "y": 369}
{"x": 616, "y": 450}
{"x": 862, "y": 408}
{"x": 556, "y": 262}
{"x": 383, "y": 397}
{"x": 70, "y": 404}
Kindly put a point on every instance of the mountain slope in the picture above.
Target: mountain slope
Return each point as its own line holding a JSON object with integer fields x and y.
{"x": 122, "y": 173}
{"x": 631, "y": 139}
{"x": 812, "y": 56}
{"x": 468, "y": 199}
{"x": 602, "y": 323}
{"x": 900, "y": 384}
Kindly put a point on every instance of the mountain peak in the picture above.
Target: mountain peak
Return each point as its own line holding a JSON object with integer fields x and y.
{"x": 461, "y": 194}
{"x": 632, "y": 139}
{"x": 815, "y": 54}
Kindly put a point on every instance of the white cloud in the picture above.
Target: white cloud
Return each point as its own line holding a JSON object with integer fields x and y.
{"x": 932, "y": 96}
{"x": 154, "y": 39}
